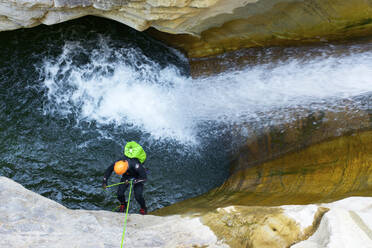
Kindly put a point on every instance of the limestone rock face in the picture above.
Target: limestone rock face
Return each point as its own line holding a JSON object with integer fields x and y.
{"x": 208, "y": 27}
{"x": 30, "y": 220}
{"x": 347, "y": 224}
{"x": 278, "y": 140}
{"x": 323, "y": 172}
{"x": 272, "y": 23}
{"x": 242, "y": 226}
{"x": 321, "y": 158}
{"x": 139, "y": 14}
{"x": 341, "y": 224}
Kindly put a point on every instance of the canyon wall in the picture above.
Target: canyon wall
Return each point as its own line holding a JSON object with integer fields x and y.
{"x": 208, "y": 27}
{"x": 322, "y": 157}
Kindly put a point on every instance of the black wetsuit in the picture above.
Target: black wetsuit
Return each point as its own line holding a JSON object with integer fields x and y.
{"x": 135, "y": 171}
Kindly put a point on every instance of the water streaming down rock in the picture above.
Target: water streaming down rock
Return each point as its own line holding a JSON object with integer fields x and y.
{"x": 71, "y": 107}
{"x": 165, "y": 103}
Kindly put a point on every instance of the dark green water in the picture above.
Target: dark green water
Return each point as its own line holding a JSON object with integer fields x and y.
{"x": 48, "y": 145}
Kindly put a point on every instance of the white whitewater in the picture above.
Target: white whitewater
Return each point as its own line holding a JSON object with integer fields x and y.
{"x": 126, "y": 88}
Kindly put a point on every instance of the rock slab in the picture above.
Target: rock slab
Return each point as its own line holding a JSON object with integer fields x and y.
{"x": 30, "y": 220}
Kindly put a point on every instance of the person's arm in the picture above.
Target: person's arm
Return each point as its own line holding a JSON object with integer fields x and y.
{"x": 107, "y": 175}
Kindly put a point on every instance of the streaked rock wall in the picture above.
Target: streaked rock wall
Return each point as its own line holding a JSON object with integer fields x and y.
{"x": 208, "y": 27}
{"x": 322, "y": 172}
{"x": 273, "y": 23}
{"x": 138, "y": 14}
{"x": 291, "y": 136}
{"x": 323, "y": 157}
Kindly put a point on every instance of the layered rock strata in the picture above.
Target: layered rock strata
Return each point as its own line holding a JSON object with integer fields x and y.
{"x": 303, "y": 129}
{"x": 208, "y": 27}
{"x": 327, "y": 171}
{"x": 272, "y": 23}
{"x": 321, "y": 158}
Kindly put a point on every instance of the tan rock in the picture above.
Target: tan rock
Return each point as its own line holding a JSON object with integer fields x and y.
{"x": 341, "y": 224}
{"x": 208, "y": 27}
{"x": 253, "y": 226}
{"x": 324, "y": 157}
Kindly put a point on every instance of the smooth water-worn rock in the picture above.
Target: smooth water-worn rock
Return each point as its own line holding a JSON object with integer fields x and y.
{"x": 208, "y": 27}
{"x": 273, "y": 23}
{"x": 292, "y": 136}
{"x": 341, "y": 224}
{"x": 347, "y": 224}
{"x": 164, "y": 15}
{"x": 30, "y": 220}
{"x": 324, "y": 172}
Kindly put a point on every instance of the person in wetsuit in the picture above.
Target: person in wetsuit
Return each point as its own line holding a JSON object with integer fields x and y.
{"x": 136, "y": 172}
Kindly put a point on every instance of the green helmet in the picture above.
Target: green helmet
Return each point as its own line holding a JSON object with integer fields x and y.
{"x": 134, "y": 150}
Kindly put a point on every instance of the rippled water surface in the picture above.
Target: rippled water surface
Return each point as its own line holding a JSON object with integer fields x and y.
{"x": 73, "y": 94}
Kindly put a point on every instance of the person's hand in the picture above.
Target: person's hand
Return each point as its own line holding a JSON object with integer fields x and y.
{"x": 104, "y": 185}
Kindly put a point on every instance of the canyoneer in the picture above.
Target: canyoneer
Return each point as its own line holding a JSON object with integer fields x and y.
{"x": 130, "y": 167}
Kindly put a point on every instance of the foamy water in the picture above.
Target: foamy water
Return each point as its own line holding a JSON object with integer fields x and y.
{"x": 124, "y": 87}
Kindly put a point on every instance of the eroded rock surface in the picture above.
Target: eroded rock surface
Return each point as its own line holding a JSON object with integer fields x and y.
{"x": 347, "y": 224}
{"x": 341, "y": 224}
{"x": 208, "y": 27}
{"x": 139, "y": 14}
{"x": 30, "y": 220}
{"x": 324, "y": 157}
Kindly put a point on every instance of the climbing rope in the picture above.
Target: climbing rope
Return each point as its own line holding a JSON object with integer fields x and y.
{"x": 125, "y": 182}
{"x": 126, "y": 214}
{"x": 116, "y": 184}
{"x": 115, "y": 194}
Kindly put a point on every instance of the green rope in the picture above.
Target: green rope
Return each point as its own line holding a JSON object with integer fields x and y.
{"x": 116, "y": 184}
{"x": 125, "y": 182}
{"x": 126, "y": 214}
{"x": 114, "y": 194}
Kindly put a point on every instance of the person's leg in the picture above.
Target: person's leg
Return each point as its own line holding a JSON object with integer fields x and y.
{"x": 121, "y": 192}
{"x": 138, "y": 194}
